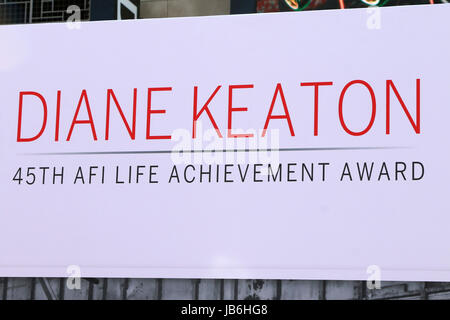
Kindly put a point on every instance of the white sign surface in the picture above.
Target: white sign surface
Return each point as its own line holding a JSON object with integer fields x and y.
{"x": 314, "y": 146}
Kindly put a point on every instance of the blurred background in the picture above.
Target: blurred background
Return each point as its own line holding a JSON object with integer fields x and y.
{"x": 35, "y": 11}
{"x": 38, "y": 11}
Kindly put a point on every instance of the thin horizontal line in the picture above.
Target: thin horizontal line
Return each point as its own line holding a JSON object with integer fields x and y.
{"x": 210, "y": 151}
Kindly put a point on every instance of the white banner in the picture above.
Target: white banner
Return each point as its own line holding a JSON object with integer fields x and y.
{"x": 286, "y": 146}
